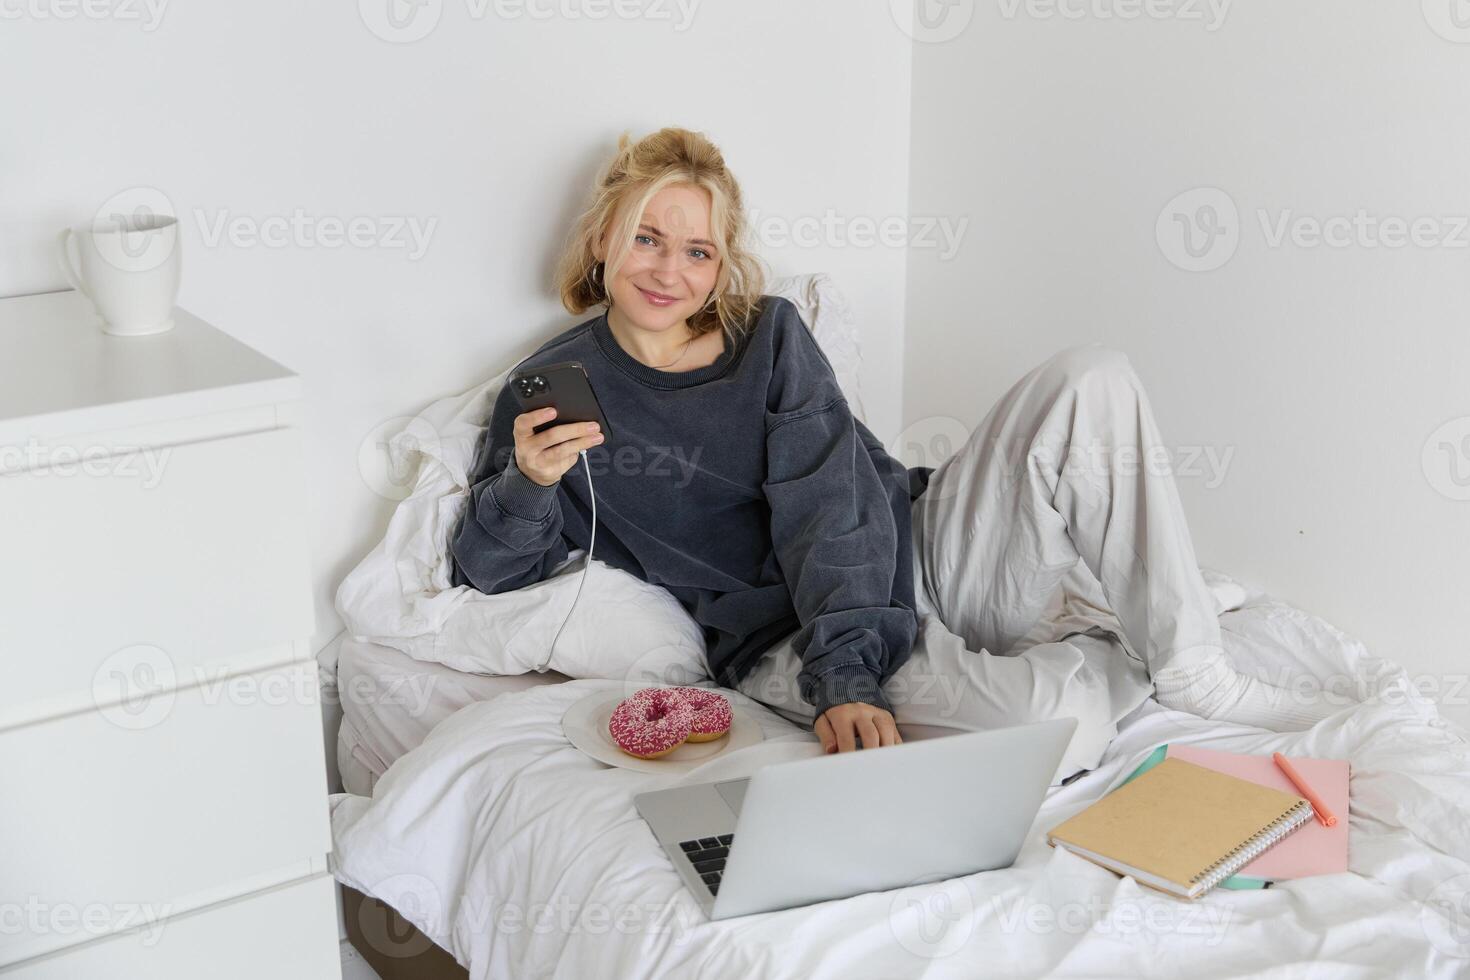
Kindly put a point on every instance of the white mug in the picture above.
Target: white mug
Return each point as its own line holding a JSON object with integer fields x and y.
{"x": 128, "y": 267}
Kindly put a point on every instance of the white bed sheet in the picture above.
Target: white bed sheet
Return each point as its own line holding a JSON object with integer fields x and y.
{"x": 525, "y": 858}
{"x": 390, "y": 703}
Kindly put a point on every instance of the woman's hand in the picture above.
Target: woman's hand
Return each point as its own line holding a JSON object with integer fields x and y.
{"x": 544, "y": 456}
{"x": 841, "y": 727}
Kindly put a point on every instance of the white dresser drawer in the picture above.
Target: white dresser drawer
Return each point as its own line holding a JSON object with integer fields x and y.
{"x": 203, "y": 788}
{"x": 289, "y": 933}
{"x": 200, "y": 553}
{"x": 161, "y": 754}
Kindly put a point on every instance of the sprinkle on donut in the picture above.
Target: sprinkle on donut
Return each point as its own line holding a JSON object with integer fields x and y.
{"x": 651, "y": 723}
{"x": 712, "y": 716}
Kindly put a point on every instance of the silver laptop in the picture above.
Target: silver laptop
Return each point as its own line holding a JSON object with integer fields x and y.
{"x": 839, "y": 825}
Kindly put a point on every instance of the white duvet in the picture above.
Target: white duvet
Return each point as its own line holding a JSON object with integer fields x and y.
{"x": 526, "y": 859}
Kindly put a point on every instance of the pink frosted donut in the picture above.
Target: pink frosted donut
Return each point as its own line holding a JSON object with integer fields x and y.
{"x": 712, "y": 717}
{"x": 651, "y": 723}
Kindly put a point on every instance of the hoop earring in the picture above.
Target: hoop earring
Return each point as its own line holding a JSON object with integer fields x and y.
{"x": 596, "y": 274}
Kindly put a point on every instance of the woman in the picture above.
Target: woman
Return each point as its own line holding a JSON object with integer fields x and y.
{"x": 737, "y": 478}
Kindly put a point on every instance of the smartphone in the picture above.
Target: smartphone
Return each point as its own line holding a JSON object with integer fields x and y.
{"x": 564, "y": 387}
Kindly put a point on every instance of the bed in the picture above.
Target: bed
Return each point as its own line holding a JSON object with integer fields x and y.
{"x": 480, "y": 837}
{"x": 507, "y": 847}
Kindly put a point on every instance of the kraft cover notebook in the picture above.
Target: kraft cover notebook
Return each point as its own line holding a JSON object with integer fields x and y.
{"x": 1315, "y": 849}
{"x": 1181, "y": 828}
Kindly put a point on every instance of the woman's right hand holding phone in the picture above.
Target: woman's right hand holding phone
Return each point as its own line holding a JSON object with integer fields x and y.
{"x": 544, "y": 456}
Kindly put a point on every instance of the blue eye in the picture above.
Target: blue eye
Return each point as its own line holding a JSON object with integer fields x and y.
{"x": 643, "y": 239}
{"x": 699, "y": 253}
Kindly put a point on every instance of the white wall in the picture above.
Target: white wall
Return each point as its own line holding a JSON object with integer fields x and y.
{"x": 1049, "y": 144}
{"x": 1325, "y": 370}
{"x": 491, "y": 127}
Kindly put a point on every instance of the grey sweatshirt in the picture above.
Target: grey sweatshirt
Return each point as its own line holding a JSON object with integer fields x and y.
{"x": 746, "y": 488}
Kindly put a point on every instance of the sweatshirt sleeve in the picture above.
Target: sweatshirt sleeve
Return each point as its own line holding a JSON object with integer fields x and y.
{"x": 510, "y": 533}
{"x": 834, "y": 530}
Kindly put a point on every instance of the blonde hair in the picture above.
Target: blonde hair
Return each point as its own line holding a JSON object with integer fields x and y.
{"x": 636, "y": 173}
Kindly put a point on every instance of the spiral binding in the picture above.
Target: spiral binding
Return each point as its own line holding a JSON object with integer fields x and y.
{"x": 1247, "y": 852}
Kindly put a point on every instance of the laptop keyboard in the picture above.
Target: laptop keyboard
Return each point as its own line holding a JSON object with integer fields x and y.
{"x": 708, "y": 854}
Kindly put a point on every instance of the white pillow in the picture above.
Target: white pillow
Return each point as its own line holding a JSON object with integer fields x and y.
{"x": 622, "y": 628}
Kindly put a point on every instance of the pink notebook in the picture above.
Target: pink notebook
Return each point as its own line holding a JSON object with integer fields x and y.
{"x": 1312, "y": 850}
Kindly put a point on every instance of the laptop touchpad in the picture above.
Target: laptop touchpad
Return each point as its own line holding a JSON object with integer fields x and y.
{"x": 732, "y": 791}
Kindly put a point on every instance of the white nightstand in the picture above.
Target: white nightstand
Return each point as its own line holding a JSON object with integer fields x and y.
{"x": 162, "y": 785}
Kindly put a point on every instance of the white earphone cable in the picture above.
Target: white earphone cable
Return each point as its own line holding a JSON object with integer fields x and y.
{"x": 586, "y": 564}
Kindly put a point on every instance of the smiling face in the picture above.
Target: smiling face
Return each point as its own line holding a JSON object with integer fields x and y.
{"x": 671, "y": 265}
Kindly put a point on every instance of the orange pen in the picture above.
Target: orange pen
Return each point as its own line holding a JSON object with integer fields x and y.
{"x": 1324, "y": 815}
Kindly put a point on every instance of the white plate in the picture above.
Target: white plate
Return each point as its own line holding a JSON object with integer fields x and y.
{"x": 585, "y": 724}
